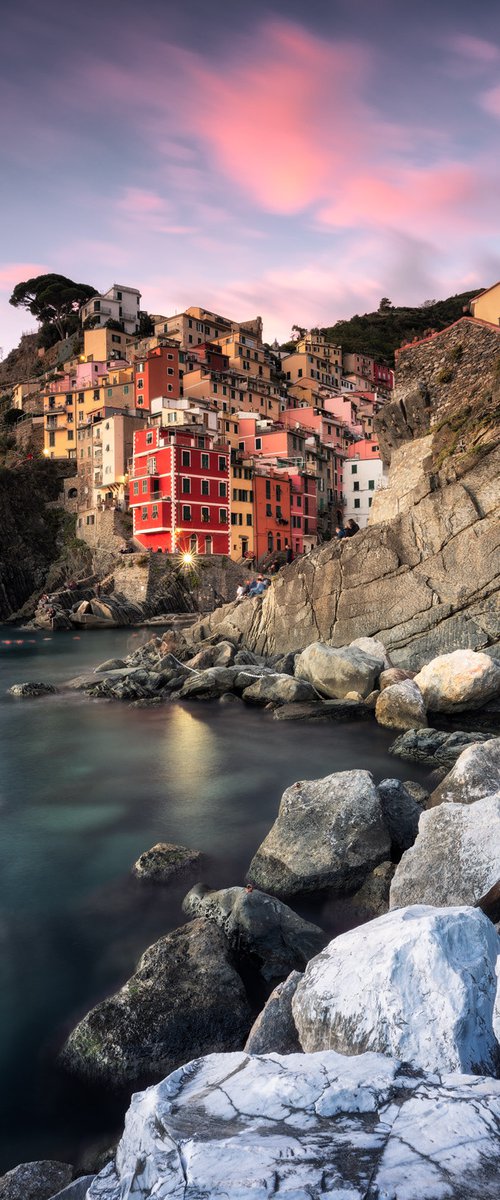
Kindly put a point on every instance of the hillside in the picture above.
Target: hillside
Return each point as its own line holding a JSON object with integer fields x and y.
{"x": 381, "y": 333}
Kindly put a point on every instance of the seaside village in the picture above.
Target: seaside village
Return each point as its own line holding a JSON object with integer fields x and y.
{"x": 202, "y": 439}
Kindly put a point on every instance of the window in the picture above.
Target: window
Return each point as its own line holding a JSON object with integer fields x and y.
{"x": 186, "y": 512}
{"x": 96, "y": 394}
{"x": 149, "y": 439}
{"x": 125, "y": 389}
{"x": 223, "y": 516}
{"x": 170, "y": 370}
{"x": 222, "y": 489}
{"x": 370, "y": 498}
{"x": 269, "y": 511}
{"x": 186, "y": 486}
{"x": 249, "y": 518}
{"x": 52, "y": 439}
{"x": 144, "y": 485}
{"x": 357, "y": 503}
{"x": 136, "y": 487}
{"x": 154, "y": 512}
{"x": 151, "y": 464}
{"x": 140, "y": 401}
{"x": 116, "y": 338}
{"x": 222, "y": 462}
{"x": 258, "y": 443}
{"x": 110, "y": 391}
{"x": 205, "y": 514}
{"x": 278, "y": 492}
{"x": 70, "y": 435}
{"x": 354, "y": 469}
{"x": 371, "y": 485}
{"x": 144, "y": 512}
{"x": 268, "y": 489}
{"x": 374, "y": 449}
{"x": 234, "y": 518}
{"x": 355, "y": 487}
{"x": 140, "y": 383}
{"x": 205, "y": 487}
{"x": 186, "y": 458}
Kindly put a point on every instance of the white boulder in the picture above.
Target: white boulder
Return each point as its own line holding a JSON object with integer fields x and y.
{"x": 401, "y": 706}
{"x": 460, "y": 680}
{"x": 306, "y": 1126}
{"x": 475, "y": 774}
{"x": 336, "y": 671}
{"x": 418, "y": 983}
{"x": 455, "y": 859}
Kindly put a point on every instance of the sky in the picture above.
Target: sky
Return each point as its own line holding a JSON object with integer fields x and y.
{"x": 298, "y": 161}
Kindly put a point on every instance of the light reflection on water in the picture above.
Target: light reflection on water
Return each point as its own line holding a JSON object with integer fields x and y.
{"x": 85, "y": 787}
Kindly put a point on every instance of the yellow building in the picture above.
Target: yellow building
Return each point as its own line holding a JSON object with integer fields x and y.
{"x": 245, "y": 354}
{"x": 314, "y": 362}
{"x": 22, "y": 391}
{"x": 99, "y": 345}
{"x": 197, "y": 325}
{"x": 64, "y": 411}
{"x": 486, "y": 306}
{"x": 242, "y": 512}
{"x": 232, "y": 392}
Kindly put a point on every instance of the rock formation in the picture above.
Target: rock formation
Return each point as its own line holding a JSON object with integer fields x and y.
{"x": 455, "y": 858}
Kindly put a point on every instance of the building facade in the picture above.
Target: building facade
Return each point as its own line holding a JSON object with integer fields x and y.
{"x": 180, "y": 491}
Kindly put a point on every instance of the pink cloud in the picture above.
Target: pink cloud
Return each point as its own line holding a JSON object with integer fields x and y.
{"x": 490, "y": 101}
{"x": 473, "y": 48}
{"x": 136, "y": 201}
{"x": 17, "y": 272}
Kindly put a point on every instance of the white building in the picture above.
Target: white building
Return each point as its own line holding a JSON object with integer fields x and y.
{"x": 362, "y": 477}
{"x": 119, "y": 304}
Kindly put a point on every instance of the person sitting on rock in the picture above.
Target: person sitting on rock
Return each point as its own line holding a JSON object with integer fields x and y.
{"x": 257, "y": 587}
{"x": 351, "y": 528}
{"x": 340, "y": 532}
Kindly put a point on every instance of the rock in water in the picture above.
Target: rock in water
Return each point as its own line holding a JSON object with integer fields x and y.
{"x": 274, "y": 1030}
{"x": 258, "y": 925}
{"x": 329, "y": 833}
{"x": 233, "y": 1127}
{"x": 460, "y": 680}
{"x": 455, "y": 859}
{"x": 163, "y": 861}
{"x": 35, "y": 1180}
{"x": 401, "y": 706}
{"x": 433, "y": 745}
{"x": 279, "y": 689}
{"x": 418, "y": 983}
{"x": 32, "y": 689}
{"x": 185, "y": 997}
{"x": 334, "y": 673}
{"x": 476, "y": 774}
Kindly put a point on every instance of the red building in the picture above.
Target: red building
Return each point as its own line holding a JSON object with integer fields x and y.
{"x": 383, "y": 377}
{"x": 158, "y": 374}
{"x": 272, "y": 510}
{"x": 303, "y": 512}
{"x": 179, "y": 491}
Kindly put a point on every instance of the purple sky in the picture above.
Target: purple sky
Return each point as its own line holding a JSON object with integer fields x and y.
{"x": 298, "y": 161}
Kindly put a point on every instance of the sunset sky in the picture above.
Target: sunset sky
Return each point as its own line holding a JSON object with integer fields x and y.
{"x": 294, "y": 160}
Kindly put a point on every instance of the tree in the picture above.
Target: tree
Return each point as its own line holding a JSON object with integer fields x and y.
{"x": 298, "y": 332}
{"x": 146, "y": 325}
{"x": 385, "y": 305}
{"x": 53, "y": 299}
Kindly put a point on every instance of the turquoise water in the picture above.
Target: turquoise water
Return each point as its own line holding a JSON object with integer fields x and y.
{"x": 85, "y": 787}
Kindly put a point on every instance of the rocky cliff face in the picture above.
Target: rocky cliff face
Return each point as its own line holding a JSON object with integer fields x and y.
{"x": 424, "y": 576}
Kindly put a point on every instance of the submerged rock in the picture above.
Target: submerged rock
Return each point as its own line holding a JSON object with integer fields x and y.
{"x": 434, "y": 746}
{"x": 418, "y": 983}
{"x": 476, "y": 774}
{"x": 323, "y": 710}
{"x": 460, "y": 680}
{"x": 32, "y": 689}
{"x": 401, "y": 706}
{"x": 455, "y": 859}
{"x": 164, "y": 860}
{"x": 335, "y": 672}
{"x": 279, "y": 689}
{"x": 185, "y": 997}
{"x": 274, "y": 1031}
{"x": 306, "y": 1126}
{"x": 258, "y": 925}
{"x": 35, "y": 1180}
{"x": 329, "y": 833}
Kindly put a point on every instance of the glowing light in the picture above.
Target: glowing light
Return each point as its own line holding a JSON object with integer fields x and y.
{"x": 46, "y": 452}
{"x": 187, "y": 559}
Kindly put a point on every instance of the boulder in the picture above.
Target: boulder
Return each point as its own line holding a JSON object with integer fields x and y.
{"x": 111, "y": 664}
{"x": 393, "y": 675}
{"x": 279, "y": 689}
{"x": 418, "y": 983}
{"x": 374, "y": 648}
{"x": 401, "y": 706}
{"x": 274, "y": 1030}
{"x": 455, "y": 859}
{"x": 205, "y": 685}
{"x": 224, "y": 654}
{"x": 401, "y": 813}
{"x": 78, "y": 1190}
{"x": 460, "y": 680}
{"x": 323, "y": 710}
{"x": 434, "y": 746}
{"x": 32, "y": 689}
{"x": 35, "y": 1180}
{"x": 163, "y": 861}
{"x": 239, "y": 1127}
{"x": 329, "y": 833}
{"x": 258, "y": 925}
{"x": 185, "y": 997}
{"x": 334, "y": 672}
{"x": 475, "y": 774}
{"x": 372, "y": 899}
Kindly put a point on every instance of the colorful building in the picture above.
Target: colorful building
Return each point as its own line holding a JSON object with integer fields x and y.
{"x": 242, "y": 510}
{"x": 363, "y": 474}
{"x": 180, "y": 491}
{"x": 158, "y": 373}
{"x": 272, "y": 510}
{"x": 120, "y": 304}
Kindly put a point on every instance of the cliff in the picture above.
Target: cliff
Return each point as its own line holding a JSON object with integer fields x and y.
{"x": 424, "y": 576}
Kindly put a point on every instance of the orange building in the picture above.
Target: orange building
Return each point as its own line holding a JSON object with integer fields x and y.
{"x": 272, "y": 510}
{"x": 158, "y": 373}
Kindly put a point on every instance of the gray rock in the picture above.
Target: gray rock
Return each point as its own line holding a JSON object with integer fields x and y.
{"x": 401, "y": 706}
{"x": 455, "y": 859}
{"x": 111, "y": 664}
{"x": 329, "y": 833}
{"x": 77, "y": 1190}
{"x": 32, "y": 689}
{"x": 434, "y": 746}
{"x": 208, "y": 684}
{"x": 475, "y": 774}
{"x": 246, "y": 658}
{"x": 225, "y": 652}
{"x": 372, "y": 899}
{"x": 274, "y": 1030}
{"x": 35, "y": 1180}
{"x": 258, "y": 925}
{"x": 285, "y": 663}
{"x": 374, "y": 648}
{"x": 393, "y": 675}
{"x": 334, "y": 672}
{"x": 401, "y": 813}
{"x": 279, "y": 689}
{"x": 184, "y": 998}
{"x": 323, "y": 710}
{"x": 461, "y": 680}
{"x": 307, "y": 1126}
{"x": 417, "y": 790}
{"x": 163, "y": 861}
